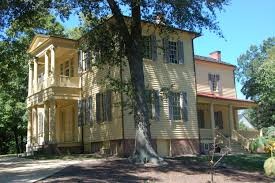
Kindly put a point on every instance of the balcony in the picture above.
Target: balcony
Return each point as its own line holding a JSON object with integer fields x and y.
{"x": 56, "y": 81}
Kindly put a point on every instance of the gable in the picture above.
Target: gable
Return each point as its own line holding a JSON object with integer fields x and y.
{"x": 37, "y": 41}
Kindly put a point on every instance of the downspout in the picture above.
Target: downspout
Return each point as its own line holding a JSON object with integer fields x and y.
{"x": 194, "y": 65}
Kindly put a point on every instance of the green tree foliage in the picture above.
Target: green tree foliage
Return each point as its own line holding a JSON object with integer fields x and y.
{"x": 192, "y": 15}
{"x": 14, "y": 43}
{"x": 256, "y": 72}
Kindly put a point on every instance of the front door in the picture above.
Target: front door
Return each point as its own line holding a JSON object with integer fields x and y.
{"x": 67, "y": 125}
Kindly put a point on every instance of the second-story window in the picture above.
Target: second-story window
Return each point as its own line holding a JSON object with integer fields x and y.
{"x": 67, "y": 69}
{"x": 214, "y": 80}
{"x": 173, "y": 52}
{"x": 147, "y": 47}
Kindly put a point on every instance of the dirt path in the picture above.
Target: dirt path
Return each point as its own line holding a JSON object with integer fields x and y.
{"x": 13, "y": 169}
{"x": 177, "y": 171}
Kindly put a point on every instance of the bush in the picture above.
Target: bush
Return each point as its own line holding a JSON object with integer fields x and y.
{"x": 269, "y": 166}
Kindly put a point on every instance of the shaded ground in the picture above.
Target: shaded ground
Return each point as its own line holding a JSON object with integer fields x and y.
{"x": 189, "y": 170}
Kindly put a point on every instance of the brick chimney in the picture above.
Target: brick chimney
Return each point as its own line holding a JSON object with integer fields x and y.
{"x": 216, "y": 55}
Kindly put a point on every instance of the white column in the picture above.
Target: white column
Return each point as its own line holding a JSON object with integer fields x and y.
{"x": 52, "y": 60}
{"x": 29, "y": 133}
{"x": 46, "y": 123}
{"x": 53, "y": 65}
{"x": 52, "y": 122}
{"x": 30, "y": 79}
{"x": 35, "y": 76}
{"x": 212, "y": 119}
{"x": 230, "y": 119}
{"x": 46, "y": 72}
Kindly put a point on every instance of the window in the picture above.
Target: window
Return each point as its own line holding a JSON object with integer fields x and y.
{"x": 147, "y": 47}
{"x": 104, "y": 106}
{"x": 178, "y": 106}
{"x": 213, "y": 81}
{"x": 201, "y": 119}
{"x": 172, "y": 46}
{"x": 218, "y": 119}
{"x": 175, "y": 106}
{"x": 67, "y": 68}
{"x": 61, "y": 69}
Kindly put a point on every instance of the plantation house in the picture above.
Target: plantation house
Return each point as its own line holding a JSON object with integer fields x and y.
{"x": 191, "y": 98}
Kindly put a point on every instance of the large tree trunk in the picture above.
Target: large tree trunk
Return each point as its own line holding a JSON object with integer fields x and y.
{"x": 143, "y": 151}
{"x": 15, "y": 132}
{"x": 22, "y": 143}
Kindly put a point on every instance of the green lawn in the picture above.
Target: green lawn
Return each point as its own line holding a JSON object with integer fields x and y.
{"x": 247, "y": 162}
{"x": 250, "y": 162}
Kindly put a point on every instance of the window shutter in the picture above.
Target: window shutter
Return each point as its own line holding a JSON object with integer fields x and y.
{"x": 154, "y": 48}
{"x": 180, "y": 52}
{"x": 220, "y": 120}
{"x": 90, "y": 99}
{"x": 109, "y": 105}
{"x": 156, "y": 103}
{"x": 87, "y": 113}
{"x": 80, "y": 61}
{"x": 166, "y": 50}
{"x": 210, "y": 81}
{"x": 88, "y": 60}
{"x": 170, "y": 105}
{"x": 79, "y": 112}
{"x": 219, "y": 84}
{"x": 83, "y": 111}
{"x": 98, "y": 106}
{"x": 184, "y": 106}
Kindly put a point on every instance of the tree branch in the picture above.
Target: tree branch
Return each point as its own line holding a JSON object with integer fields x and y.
{"x": 120, "y": 21}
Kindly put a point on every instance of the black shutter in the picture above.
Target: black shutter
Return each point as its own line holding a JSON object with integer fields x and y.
{"x": 88, "y": 60}
{"x": 166, "y": 51}
{"x": 83, "y": 111}
{"x": 87, "y": 113}
{"x": 210, "y": 82}
{"x": 90, "y": 99}
{"x": 184, "y": 106}
{"x": 154, "y": 48}
{"x": 156, "y": 105}
{"x": 79, "y": 112}
{"x": 109, "y": 105}
{"x": 98, "y": 107}
{"x": 170, "y": 105}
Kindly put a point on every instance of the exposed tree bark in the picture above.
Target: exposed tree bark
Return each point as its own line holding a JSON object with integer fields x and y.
{"x": 143, "y": 151}
{"x": 15, "y": 132}
{"x": 22, "y": 143}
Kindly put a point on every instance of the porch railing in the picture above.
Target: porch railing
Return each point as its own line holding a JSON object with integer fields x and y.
{"x": 245, "y": 142}
{"x": 222, "y": 139}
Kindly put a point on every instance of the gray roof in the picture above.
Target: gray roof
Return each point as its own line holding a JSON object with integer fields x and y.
{"x": 209, "y": 59}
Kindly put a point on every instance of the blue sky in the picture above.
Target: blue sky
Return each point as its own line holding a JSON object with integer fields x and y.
{"x": 243, "y": 23}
